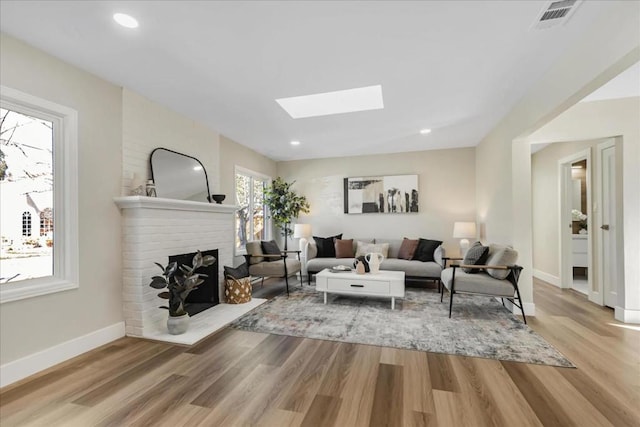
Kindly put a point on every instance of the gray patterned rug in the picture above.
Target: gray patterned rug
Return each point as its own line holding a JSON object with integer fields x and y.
{"x": 479, "y": 327}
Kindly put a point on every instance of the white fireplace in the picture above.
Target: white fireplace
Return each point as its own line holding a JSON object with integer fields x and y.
{"x": 152, "y": 230}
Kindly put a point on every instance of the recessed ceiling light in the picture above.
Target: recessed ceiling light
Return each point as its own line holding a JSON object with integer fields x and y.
{"x": 295, "y": 142}
{"x": 327, "y": 103}
{"x": 425, "y": 131}
{"x": 125, "y": 20}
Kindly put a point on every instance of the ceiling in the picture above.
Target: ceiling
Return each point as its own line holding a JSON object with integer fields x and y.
{"x": 454, "y": 67}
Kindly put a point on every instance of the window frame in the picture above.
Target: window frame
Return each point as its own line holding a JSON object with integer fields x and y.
{"x": 65, "y": 196}
{"x": 267, "y": 220}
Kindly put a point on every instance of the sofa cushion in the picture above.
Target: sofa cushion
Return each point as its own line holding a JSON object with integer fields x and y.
{"x": 394, "y": 246}
{"x": 408, "y": 249}
{"x": 326, "y": 248}
{"x": 480, "y": 283}
{"x": 425, "y": 250}
{"x": 275, "y": 268}
{"x": 365, "y": 248}
{"x": 412, "y": 268}
{"x": 476, "y": 255}
{"x": 271, "y": 248}
{"x": 344, "y": 248}
{"x": 501, "y": 255}
{"x": 254, "y": 248}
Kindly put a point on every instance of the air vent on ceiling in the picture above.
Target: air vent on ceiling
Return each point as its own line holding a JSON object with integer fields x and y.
{"x": 555, "y": 13}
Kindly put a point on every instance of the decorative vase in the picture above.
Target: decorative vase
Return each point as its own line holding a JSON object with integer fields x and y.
{"x": 177, "y": 325}
{"x": 374, "y": 259}
{"x": 359, "y": 267}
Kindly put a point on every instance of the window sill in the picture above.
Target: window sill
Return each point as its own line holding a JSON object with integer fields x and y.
{"x": 32, "y": 288}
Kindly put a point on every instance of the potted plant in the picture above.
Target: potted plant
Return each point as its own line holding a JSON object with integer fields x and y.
{"x": 179, "y": 281}
{"x": 284, "y": 205}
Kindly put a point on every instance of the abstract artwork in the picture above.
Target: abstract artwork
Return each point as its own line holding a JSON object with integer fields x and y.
{"x": 381, "y": 194}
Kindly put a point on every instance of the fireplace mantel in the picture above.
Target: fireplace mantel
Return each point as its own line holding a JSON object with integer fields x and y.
{"x": 131, "y": 202}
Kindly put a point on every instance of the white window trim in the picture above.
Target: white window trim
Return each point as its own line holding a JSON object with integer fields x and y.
{"x": 65, "y": 203}
{"x": 267, "y": 220}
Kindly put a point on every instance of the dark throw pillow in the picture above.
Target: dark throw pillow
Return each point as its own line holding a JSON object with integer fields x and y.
{"x": 237, "y": 273}
{"x": 407, "y": 249}
{"x": 425, "y": 249}
{"x": 476, "y": 255}
{"x": 326, "y": 246}
{"x": 271, "y": 248}
{"x": 344, "y": 248}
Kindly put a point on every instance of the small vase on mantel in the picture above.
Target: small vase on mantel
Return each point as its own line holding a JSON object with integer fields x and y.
{"x": 177, "y": 325}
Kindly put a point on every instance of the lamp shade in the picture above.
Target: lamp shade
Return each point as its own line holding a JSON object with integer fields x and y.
{"x": 464, "y": 230}
{"x": 301, "y": 231}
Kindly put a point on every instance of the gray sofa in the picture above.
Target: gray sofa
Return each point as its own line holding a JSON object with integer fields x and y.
{"x": 414, "y": 270}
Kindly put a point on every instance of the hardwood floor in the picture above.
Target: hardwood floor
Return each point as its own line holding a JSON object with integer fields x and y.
{"x": 244, "y": 378}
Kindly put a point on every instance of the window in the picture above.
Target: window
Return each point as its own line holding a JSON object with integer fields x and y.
{"x": 251, "y": 217}
{"x": 26, "y": 224}
{"x": 38, "y": 193}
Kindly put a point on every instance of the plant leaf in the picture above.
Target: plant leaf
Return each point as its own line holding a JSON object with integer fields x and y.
{"x": 164, "y": 306}
{"x": 159, "y": 265}
{"x": 164, "y": 295}
{"x": 208, "y": 260}
{"x": 197, "y": 261}
{"x": 171, "y": 269}
{"x": 158, "y": 282}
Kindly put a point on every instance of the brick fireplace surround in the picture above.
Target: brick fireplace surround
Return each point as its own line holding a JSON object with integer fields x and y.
{"x": 152, "y": 230}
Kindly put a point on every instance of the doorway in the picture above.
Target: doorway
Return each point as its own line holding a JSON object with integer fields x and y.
{"x": 575, "y": 220}
{"x": 608, "y": 231}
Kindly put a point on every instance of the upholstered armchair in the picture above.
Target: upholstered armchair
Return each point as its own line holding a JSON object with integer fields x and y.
{"x": 265, "y": 259}
{"x": 495, "y": 275}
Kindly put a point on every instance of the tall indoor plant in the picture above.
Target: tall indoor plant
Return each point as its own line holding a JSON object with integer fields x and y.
{"x": 179, "y": 282}
{"x": 284, "y": 205}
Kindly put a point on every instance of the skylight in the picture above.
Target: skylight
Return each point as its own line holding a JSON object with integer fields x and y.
{"x": 338, "y": 102}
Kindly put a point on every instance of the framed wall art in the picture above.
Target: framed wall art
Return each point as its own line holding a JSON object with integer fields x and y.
{"x": 381, "y": 194}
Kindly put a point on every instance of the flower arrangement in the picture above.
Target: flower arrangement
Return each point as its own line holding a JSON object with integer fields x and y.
{"x": 576, "y": 215}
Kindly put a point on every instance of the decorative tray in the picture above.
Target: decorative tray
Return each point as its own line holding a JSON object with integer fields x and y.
{"x": 340, "y": 269}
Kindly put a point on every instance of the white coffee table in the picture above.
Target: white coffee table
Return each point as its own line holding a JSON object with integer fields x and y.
{"x": 381, "y": 284}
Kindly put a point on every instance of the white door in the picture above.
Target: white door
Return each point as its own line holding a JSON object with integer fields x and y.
{"x": 607, "y": 228}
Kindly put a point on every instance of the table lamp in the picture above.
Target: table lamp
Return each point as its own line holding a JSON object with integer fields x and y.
{"x": 464, "y": 231}
{"x": 302, "y": 232}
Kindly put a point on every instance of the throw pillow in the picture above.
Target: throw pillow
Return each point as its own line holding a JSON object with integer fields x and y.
{"x": 344, "y": 248}
{"x": 426, "y": 248}
{"x": 365, "y": 248}
{"x": 326, "y": 247}
{"x": 237, "y": 273}
{"x": 407, "y": 249}
{"x": 501, "y": 255}
{"x": 254, "y": 248}
{"x": 271, "y": 248}
{"x": 476, "y": 255}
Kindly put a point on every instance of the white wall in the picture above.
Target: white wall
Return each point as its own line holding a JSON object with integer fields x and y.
{"x": 30, "y": 325}
{"x": 503, "y": 168}
{"x": 603, "y": 119}
{"x": 446, "y": 194}
{"x": 147, "y": 125}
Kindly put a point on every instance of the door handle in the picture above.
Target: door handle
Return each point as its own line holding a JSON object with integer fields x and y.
{"x": 605, "y": 226}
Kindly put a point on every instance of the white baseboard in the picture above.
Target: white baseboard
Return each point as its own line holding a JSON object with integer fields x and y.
{"x": 627, "y": 316}
{"x": 549, "y": 278}
{"x": 36, "y": 362}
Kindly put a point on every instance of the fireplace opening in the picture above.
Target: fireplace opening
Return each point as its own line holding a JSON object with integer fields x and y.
{"x": 204, "y": 296}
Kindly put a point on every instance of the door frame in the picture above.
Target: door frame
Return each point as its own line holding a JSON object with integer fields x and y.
{"x": 564, "y": 218}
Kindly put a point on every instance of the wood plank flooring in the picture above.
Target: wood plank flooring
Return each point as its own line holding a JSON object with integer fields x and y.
{"x": 238, "y": 378}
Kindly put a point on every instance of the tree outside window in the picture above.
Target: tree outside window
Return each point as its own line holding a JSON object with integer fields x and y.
{"x": 251, "y": 215}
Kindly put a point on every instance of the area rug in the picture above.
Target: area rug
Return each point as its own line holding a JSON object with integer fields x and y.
{"x": 479, "y": 327}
